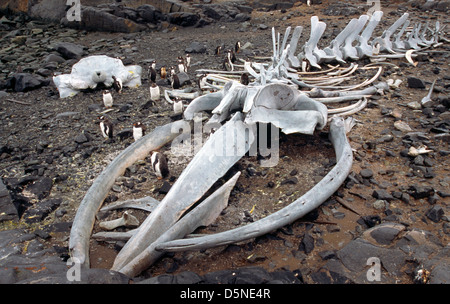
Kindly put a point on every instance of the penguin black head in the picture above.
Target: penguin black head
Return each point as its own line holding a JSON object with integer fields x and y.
{"x": 244, "y": 79}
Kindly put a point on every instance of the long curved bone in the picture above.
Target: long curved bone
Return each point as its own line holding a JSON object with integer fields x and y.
{"x": 306, "y": 203}
{"x": 215, "y": 158}
{"x": 203, "y": 215}
{"x": 85, "y": 216}
{"x": 363, "y": 47}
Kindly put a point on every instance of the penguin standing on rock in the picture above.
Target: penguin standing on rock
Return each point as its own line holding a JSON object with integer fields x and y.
{"x": 107, "y": 99}
{"x": 175, "y": 83}
{"x": 106, "y": 127}
{"x": 138, "y": 130}
{"x": 159, "y": 164}
{"x": 178, "y": 106}
{"x": 181, "y": 65}
{"x": 163, "y": 72}
{"x": 152, "y": 71}
{"x": 155, "y": 92}
{"x": 117, "y": 84}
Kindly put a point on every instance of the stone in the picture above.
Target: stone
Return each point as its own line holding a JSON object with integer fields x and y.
{"x": 183, "y": 18}
{"x": 54, "y": 58}
{"x": 165, "y": 188}
{"x": 24, "y": 82}
{"x": 435, "y": 213}
{"x": 384, "y": 233}
{"x": 7, "y": 209}
{"x": 366, "y": 173}
{"x": 69, "y": 50}
{"x": 307, "y": 244}
{"x": 40, "y": 210}
{"x": 415, "y": 83}
{"x": 379, "y": 204}
{"x": 382, "y": 194}
{"x": 40, "y": 188}
{"x": 419, "y": 192}
{"x": 96, "y": 19}
{"x": 196, "y": 47}
{"x": 150, "y": 14}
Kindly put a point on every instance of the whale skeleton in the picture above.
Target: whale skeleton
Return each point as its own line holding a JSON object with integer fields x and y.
{"x": 273, "y": 97}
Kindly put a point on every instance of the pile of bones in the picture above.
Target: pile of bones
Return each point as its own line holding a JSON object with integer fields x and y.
{"x": 272, "y": 96}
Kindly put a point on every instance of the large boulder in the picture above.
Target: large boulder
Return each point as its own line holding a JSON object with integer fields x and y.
{"x": 96, "y": 19}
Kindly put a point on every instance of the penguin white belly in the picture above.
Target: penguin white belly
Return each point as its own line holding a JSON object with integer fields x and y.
{"x": 108, "y": 100}
{"x": 137, "y": 133}
{"x": 103, "y": 128}
{"x": 155, "y": 93}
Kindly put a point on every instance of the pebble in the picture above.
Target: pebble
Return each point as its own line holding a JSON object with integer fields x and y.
{"x": 435, "y": 213}
{"x": 379, "y": 204}
{"x": 366, "y": 173}
{"x": 415, "y": 83}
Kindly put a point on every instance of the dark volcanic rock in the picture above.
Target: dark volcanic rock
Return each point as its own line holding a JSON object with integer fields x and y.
{"x": 40, "y": 210}
{"x": 96, "y": 19}
{"x": 415, "y": 83}
{"x": 7, "y": 209}
{"x": 382, "y": 194}
{"x": 69, "y": 50}
{"x": 41, "y": 188}
{"x": 150, "y": 14}
{"x": 23, "y": 82}
{"x": 183, "y": 18}
{"x": 435, "y": 213}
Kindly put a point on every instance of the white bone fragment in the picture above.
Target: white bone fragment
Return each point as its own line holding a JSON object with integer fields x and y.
{"x": 147, "y": 203}
{"x": 126, "y": 220}
{"x": 427, "y": 98}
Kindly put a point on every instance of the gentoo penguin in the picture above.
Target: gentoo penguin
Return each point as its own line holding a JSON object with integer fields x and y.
{"x": 218, "y": 50}
{"x": 244, "y": 79}
{"x": 227, "y": 65}
{"x": 138, "y": 130}
{"x": 155, "y": 92}
{"x": 237, "y": 47}
{"x": 187, "y": 61}
{"x": 175, "y": 83}
{"x": 117, "y": 84}
{"x": 181, "y": 65}
{"x": 163, "y": 72}
{"x": 152, "y": 73}
{"x": 202, "y": 81}
{"x": 178, "y": 105}
{"x": 159, "y": 164}
{"x": 107, "y": 99}
{"x": 106, "y": 127}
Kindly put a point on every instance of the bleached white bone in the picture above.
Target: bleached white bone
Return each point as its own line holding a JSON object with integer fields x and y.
{"x": 126, "y": 220}
{"x": 348, "y": 50}
{"x": 363, "y": 47}
{"x": 384, "y": 40}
